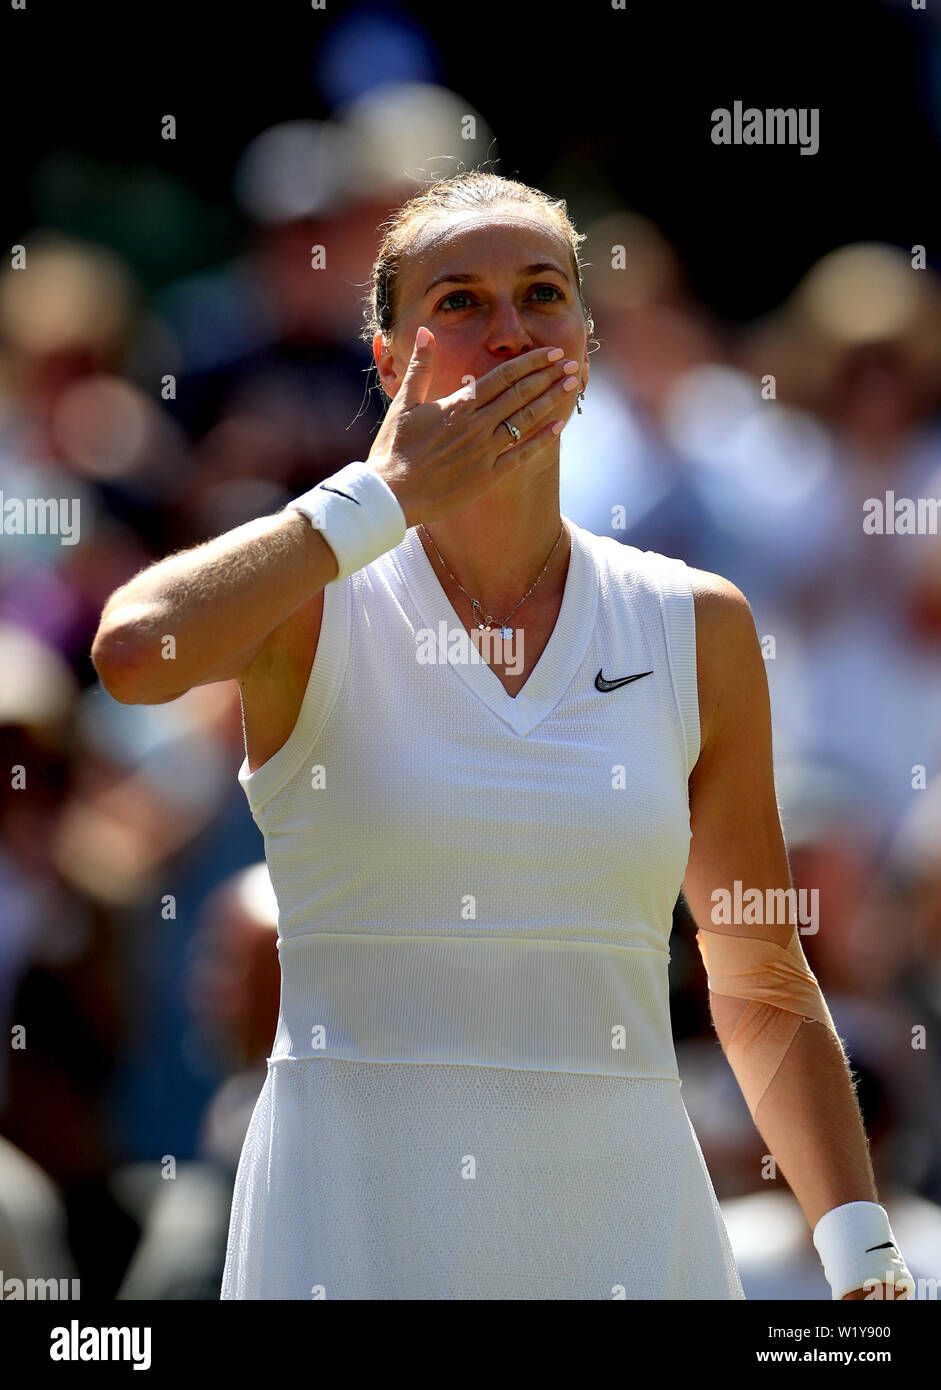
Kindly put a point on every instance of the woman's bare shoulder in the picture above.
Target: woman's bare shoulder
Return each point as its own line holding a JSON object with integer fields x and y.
{"x": 723, "y": 613}
{"x": 715, "y": 594}
{"x": 728, "y": 649}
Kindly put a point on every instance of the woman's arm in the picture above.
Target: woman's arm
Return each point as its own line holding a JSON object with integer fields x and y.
{"x": 220, "y": 602}
{"x": 808, "y": 1116}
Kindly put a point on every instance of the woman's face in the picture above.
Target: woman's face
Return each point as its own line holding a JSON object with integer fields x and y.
{"x": 471, "y": 281}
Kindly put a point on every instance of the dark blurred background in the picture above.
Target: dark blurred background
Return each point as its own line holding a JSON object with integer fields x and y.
{"x": 169, "y": 358}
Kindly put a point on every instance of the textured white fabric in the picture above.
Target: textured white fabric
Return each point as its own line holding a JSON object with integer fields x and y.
{"x": 473, "y": 1089}
{"x": 491, "y": 1001}
{"x": 353, "y": 1180}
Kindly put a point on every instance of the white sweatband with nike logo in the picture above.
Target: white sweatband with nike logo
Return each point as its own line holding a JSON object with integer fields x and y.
{"x": 858, "y": 1250}
{"x": 358, "y": 515}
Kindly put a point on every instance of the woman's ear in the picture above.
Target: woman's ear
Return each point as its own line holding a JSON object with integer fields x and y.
{"x": 384, "y": 358}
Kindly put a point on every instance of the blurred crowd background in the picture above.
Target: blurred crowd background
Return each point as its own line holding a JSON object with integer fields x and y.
{"x": 169, "y": 358}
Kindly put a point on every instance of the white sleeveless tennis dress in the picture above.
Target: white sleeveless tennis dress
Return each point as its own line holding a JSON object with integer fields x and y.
{"x": 473, "y": 1090}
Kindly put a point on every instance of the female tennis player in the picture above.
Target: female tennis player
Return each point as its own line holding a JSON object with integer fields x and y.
{"x": 476, "y": 845}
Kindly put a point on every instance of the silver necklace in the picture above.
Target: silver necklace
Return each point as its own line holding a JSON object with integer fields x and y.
{"x": 484, "y": 623}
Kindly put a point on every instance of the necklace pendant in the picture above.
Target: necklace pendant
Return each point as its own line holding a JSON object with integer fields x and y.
{"x": 482, "y": 620}
{"x": 506, "y": 633}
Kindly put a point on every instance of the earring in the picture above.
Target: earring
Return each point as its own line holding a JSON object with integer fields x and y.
{"x": 578, "y": 398}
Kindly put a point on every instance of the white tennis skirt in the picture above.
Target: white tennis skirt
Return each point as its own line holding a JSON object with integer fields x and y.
{"x": 404, "y": 1180}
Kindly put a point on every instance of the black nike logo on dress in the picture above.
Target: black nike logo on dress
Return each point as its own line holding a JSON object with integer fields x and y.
{"x": 341, "y": 494}
{"x": 888, "y": 1245}
{"x": 602, "y": 684}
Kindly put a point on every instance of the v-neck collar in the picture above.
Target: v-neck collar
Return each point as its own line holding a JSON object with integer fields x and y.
{"x": 561, "y": 657}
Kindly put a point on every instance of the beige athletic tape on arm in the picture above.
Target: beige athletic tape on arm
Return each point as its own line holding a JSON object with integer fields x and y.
{"x": 781, "y": 990}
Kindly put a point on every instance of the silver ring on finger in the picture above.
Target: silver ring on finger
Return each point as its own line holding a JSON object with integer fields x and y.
{"x": 513, "y": 430}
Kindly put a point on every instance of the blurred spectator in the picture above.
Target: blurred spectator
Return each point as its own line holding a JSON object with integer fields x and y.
{"x": 62, "y": 1008}
{"x": 619, "y": 474}
{"x": 33, "y": 1242}
{"x": 905, "y": 908}
{"x": 233, "y": 991}
{"x": 858, "y": 343}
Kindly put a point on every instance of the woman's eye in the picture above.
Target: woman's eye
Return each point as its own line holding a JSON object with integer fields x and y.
{"x": 458, "y": 294}
{"x": 547, "y": 286}
{"x": 464, "y": 294}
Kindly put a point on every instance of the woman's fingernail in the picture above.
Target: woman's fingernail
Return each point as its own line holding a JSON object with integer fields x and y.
{"x": 555, "y": 354}
{"x": 557, "y": 426}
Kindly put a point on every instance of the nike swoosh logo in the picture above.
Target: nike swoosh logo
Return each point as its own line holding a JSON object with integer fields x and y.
{"x": 887, "y": 1246}
{"x": 602, "y": 684}
{"x": 341, "y": 494}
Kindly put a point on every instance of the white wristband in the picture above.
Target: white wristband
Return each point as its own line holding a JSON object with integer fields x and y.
{"x": 856, "y": 1245}
{"x": 358, "y": 514}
